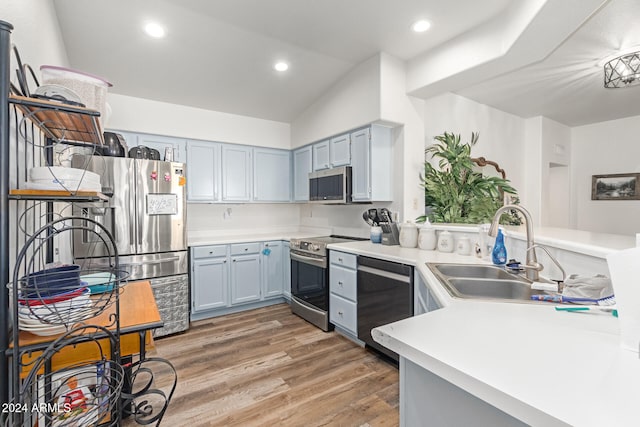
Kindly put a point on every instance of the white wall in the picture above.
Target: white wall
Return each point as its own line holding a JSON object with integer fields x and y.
{"x": 397, "y": 107}
{"x": 244, "y": 218}
{"x": 352, "y": 102}
{"x": 599, "y": 149}
{"x": 36, "y": 32}
{"x": 144, "y": 115}
{"x": 555, "y": 174}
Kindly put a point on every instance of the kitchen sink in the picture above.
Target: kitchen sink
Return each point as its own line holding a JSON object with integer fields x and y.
{"x": 474, "y": 271}
{"x": 483, "y": 282}
{"x": 492, "y": 288}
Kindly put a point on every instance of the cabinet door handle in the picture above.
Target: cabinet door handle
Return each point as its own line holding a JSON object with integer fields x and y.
{"x": 234, "y": 260}
{"x": 340, "y": 313}
{"x": 225, "y": 261}
{"x": 340, "y": 283}
{"x": 246, "y": 249}
{"x": 340, "y": 259}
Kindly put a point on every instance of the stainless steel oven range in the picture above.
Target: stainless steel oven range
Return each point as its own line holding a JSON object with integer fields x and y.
{"x": 310, "y": 278}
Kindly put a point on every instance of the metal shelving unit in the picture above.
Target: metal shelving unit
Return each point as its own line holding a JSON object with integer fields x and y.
{"x": 44, "y": 126}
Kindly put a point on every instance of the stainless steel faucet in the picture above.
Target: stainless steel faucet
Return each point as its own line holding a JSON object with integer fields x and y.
{"x": 531, "y": 259}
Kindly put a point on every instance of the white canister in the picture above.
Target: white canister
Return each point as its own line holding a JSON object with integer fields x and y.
{"x": 408, "y": 235}
{"x": 463, "y": 246}
{"x": 427, "y": 238}
{"x": 445, "y": 242}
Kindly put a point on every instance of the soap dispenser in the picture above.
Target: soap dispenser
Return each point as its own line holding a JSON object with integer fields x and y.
{"x": 499, "y": 254}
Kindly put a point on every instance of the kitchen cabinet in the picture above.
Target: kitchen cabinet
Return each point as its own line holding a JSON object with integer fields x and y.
{"x": 162, "y": 143}
{"x": 371, "y": 164}
{"x": 245, "y": 278}
{"x": 423, "y": 300}
{"x": 203, "y": 171}
{"x": 234, "y": 277}
{"x": 210, "y": 272}
{"x": 332, "y": 153}
{"x": 302, "y": 167}
{"x": 343, "y": 300}
{"x": 271, "y": 175}
{"x": 272, "y": 269}
{"x": 340, "y": 151}
{"x": 286, "y": 262}
{"x": 321, "y": 158}
{"x": 236, "y": 173}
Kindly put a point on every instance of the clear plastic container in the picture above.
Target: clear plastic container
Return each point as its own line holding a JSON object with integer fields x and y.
{"x": 91, "y": 89}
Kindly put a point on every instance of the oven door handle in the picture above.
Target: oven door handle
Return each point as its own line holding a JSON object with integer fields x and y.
{"x": 318, "y": 262}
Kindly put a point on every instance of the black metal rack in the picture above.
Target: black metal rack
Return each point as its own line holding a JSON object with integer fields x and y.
{"x": 45, "y": 125}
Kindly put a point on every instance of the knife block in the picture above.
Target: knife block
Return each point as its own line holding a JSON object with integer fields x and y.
{"x": 390, "y": 233}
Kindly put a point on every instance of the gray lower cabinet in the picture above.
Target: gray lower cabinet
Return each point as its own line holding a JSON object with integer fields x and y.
{"x": 210, "y": 277}
{"x": 286, "y": 261}
{"x": 235, "y": 277}
{"x": 245, "y": 278}
{"x": 423, "y": 300}
{"x": 272, "y": 269}
{"x": 343, "y": 299}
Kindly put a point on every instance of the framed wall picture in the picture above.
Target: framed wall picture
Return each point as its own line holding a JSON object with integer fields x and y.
{"x": 619, "y": 186}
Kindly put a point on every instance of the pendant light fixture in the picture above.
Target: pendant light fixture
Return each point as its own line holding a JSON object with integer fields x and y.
{"x": 623, "y": 71}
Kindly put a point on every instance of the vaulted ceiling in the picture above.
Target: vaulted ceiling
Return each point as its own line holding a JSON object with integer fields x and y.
{"x": 530, "y": 58}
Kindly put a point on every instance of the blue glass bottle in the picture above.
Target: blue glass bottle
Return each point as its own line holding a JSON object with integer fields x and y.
{"x": 499, "y": 254}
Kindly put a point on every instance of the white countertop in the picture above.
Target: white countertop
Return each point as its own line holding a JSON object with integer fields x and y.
{"x": 200, "y": 238}
{"x": 539, "y": 365}
{"x": 585, "y": 242}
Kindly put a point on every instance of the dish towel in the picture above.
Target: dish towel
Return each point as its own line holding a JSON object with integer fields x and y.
{"x": 594, "y": 287}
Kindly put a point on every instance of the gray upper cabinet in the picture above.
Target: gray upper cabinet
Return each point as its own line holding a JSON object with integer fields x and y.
{"x": 271, "y": 175}
{"x": 236, "y": 173}
{"x": 163, "y": 143}
{"x": 361, "y": 165}
{"x": 321, "y": 159}
{"x": 371, "y": 150}
{"x": 332, "y": 153}
{"x": 302, "y": 166}
{"x": 203, "y": 171}
{"x": 340, "y": 151}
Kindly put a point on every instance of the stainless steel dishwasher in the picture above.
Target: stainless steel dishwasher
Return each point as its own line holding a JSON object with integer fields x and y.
{"x": 385, "y": 295}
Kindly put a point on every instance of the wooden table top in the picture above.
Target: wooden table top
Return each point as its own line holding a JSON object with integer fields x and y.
{"x": 138, "y": 312}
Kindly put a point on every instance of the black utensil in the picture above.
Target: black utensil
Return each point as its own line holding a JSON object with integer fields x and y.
{"x": 365, "y": 216}
{"x": 22, "y": 79}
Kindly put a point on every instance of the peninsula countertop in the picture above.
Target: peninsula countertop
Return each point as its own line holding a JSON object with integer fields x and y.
{"x": 541, "y": 366}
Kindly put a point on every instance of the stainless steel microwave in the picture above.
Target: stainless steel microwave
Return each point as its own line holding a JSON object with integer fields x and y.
{"x": 330, "y": 186}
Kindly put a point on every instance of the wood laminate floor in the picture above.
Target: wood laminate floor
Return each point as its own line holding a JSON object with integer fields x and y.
{"x": 268, "y": 367}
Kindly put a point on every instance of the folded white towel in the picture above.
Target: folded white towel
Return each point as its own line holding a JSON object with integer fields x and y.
{"x": 594, "y": 287}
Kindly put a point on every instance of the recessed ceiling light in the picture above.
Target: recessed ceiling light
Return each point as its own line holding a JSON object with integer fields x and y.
{"x": 281, "y": 66}
{"x": 154, "y": 30}
{"x": 421, "y": 26}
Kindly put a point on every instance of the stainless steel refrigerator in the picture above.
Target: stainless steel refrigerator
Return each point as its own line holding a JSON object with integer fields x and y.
{"x": 146, "y": 214}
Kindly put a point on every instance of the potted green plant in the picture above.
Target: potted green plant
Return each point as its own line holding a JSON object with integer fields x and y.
{"x": 455, "y": 192}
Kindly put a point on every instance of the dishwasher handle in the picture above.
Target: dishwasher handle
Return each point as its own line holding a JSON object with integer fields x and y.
{"x": 387, "y": 274}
